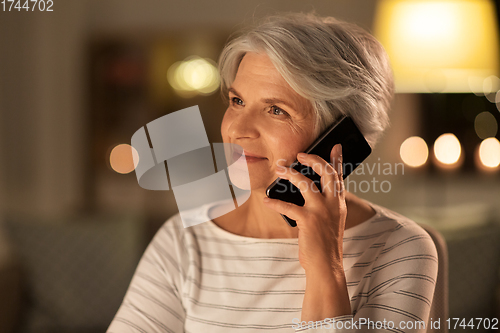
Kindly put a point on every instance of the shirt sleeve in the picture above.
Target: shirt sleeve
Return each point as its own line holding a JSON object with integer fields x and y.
{"x": 399, "y": 292}
{"x": 152, "y": 302}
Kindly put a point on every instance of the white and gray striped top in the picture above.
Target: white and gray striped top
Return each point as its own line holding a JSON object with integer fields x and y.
{"x": 204, "y": 279}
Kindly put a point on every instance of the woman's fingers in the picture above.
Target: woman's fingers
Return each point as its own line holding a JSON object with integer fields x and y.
{"x": 306, "y": 186}
{"x": 337, "y": 162}
{"x": 336, "y": 158}
{"x": 331, "y": 182}
{"x": 331, "y": 174}
{"x": 323, "y": 169}
{"x": 286, "y": 208}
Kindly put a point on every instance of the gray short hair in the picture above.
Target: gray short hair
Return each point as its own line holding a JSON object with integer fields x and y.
{"x": 336, "y": 65}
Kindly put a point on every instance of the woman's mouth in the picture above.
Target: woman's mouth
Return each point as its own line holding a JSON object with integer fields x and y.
{"x": 249, "y": 157}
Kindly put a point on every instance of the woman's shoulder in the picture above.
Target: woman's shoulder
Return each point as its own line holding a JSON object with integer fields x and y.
{"x": 187, "y": 224}
{"x": 168, "y": 236}
{"x": 172, "y": 242}
{"x": 399, "y": 231}
{"x": 177, "y": 226}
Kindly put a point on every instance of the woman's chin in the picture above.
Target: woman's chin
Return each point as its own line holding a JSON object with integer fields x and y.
{"x": 239, "y": 178}
{"x": 246, "y": 181}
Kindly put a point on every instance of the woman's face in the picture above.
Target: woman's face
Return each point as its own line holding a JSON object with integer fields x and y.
{"x": 267, "y": 118}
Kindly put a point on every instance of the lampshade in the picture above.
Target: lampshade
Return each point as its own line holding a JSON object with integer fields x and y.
{"x": 440, "y": 46}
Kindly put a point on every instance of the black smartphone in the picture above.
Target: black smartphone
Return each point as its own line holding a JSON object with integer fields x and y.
{"x": 355, "y": 149}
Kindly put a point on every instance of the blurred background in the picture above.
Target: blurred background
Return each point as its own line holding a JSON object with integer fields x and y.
{"x": 77, "y": 82}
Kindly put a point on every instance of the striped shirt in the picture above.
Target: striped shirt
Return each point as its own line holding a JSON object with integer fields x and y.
{"x": 204, "y": 279}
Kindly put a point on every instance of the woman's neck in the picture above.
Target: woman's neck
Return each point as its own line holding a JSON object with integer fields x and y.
{"x": 253, "y": 219}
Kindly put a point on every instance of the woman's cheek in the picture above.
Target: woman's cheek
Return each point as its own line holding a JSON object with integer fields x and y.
{"x": 285, "y": 145}
{"x": 226, "y": 121}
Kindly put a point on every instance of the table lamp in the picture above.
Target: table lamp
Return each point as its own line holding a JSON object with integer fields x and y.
{"x": 440, "y": 47}
{"x": 447, "y": 46}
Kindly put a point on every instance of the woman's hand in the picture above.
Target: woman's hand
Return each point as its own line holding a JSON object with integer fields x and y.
{"x": 321, "y": 223}
{"x": 321, "y": 220}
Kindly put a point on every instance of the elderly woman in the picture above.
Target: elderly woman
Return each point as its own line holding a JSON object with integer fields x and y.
{"x": 350, "y": 264}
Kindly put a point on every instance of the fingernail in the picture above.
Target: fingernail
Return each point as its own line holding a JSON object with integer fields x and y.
{"x": 301, "y": 155}
{"x": 266, "y": 199}
{"x": 338, "y": 149}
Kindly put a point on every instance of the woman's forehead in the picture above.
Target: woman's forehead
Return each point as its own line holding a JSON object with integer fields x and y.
{"x": 259, "y": 66}
{"x": 257, "y": 75}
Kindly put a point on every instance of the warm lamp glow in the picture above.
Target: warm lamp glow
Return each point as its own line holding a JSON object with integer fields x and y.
{"x": 439, "y": 46}
{"x": 194, "y": 75}
{"x": 489, "y": 153}
{"x": 414, "y": 151}
{"x": 447, "y": 149}
{"x": 122, "y": 158}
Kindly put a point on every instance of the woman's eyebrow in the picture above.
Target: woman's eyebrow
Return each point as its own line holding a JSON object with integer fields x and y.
{"x": 278, "y": 101}
{"x": 232, "y": 90}
{"x": 271, "y": 100}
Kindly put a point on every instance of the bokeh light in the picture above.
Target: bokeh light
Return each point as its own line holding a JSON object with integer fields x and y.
{"x": 122, "y": 158}
{"x": 414, "y": 151}
{"x": 489, "y": 153}
{"x": 490, "y": 86}
{"x": 485, "y": 125}
{"x": 194, "y": 75}
{"x": 447, "y": 149}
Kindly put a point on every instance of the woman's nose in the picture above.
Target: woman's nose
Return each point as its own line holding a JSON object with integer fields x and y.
{"x": 244, "y": 125}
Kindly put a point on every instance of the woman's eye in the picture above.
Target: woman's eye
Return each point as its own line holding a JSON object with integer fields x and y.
{"x": 277, "y": 111}
{"x": 236, "y": 101}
